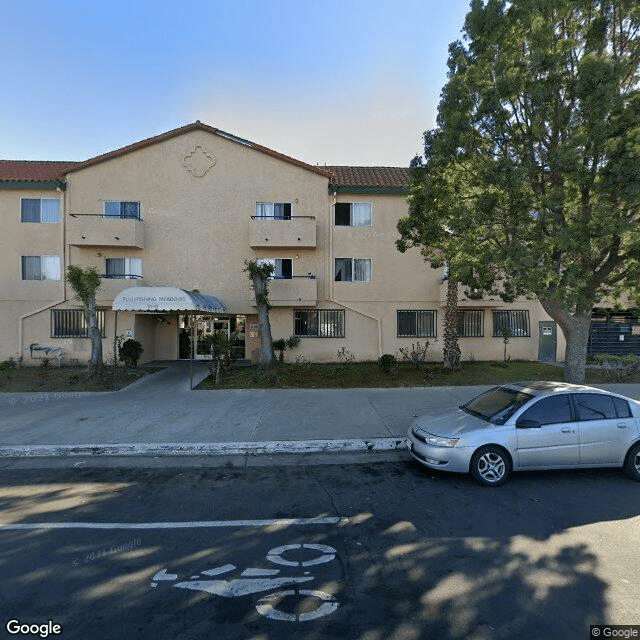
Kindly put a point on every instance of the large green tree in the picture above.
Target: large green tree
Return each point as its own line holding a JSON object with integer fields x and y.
{"x": 85, "y": 283}
{"x": 530, "y": 183}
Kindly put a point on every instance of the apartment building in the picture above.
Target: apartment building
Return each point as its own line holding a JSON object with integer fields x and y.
{"x": 169, "y": 223}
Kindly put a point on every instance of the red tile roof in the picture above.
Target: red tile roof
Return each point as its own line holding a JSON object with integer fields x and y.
{"x": 373, "y": 178}
{"x": 33, "y": 170}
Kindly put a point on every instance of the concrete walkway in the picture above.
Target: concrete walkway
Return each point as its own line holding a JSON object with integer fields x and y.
{"x": 160, "y": 415}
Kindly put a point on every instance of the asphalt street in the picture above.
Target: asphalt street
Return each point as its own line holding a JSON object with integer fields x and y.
{"x": 373, "y": 551}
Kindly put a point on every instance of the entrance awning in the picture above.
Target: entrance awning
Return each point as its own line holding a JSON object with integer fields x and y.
{"x": 165, "y": 299}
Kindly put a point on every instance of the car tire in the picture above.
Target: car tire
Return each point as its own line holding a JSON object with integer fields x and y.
{"x": 632, "y": 462}
{"x": 490, "y": 466}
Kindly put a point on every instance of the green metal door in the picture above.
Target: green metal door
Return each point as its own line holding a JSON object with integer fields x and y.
{"x": 547, "y": 339}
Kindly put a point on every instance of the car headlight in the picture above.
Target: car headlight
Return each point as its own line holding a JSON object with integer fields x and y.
{"x": 439, "y": 441}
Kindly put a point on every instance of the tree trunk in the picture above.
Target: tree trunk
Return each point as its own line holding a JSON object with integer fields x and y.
{"x": 95, "y": 363}
{"x": 575, "y": 327}
{"x": 264, "y": 326}
{"x": 451, "y": 352}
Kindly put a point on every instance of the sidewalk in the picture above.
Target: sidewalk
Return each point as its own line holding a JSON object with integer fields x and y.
{"x": 160, "y": 415}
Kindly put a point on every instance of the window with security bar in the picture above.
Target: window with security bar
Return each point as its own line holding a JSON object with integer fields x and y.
{"x": 318, "y": 323}
{"x": 471, "y": 323}
{"x": 72, "y": 323}
{"x": 514, "y": 321}
{"x": 417, "y": 324}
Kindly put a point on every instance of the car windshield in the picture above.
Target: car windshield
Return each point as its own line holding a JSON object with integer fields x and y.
{"x": 496, "y": 405}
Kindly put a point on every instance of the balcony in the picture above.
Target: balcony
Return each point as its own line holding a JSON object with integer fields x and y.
{"x": 299, "y": 291}
{"x": 110, "y": 287}
{"x": 95, "y": 230}
{"x": 297, "y": 232}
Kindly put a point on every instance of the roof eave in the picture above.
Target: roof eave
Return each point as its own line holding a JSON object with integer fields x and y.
{"x": 356, "y": 190}
{"x": 48, "y": 185}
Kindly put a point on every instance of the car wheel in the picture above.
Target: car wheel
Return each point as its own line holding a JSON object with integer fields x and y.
{"x": 490, "y": 466}
{"x": 632, "y": 462}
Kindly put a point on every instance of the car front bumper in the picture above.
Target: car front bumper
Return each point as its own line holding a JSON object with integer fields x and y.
{"x": 448, "y": 458}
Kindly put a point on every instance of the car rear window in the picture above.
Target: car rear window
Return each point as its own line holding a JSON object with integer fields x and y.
{"x": 622, "y": 407}
{"x": 595, "y": 406}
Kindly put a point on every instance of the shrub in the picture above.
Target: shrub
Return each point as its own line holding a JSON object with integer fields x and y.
{"x": 8, "y": 365}
{"x": 282, "y": 344}
{"x": 73, "y": 377}
{"x": 417, "y": 355}
{"x": 345, "y": 357}
{"x": 617, "y": 367}
{"x": 130, "y": 351}
{"x": 387, "y": 363}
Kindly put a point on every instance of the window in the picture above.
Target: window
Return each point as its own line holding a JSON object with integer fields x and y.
{"x": 282, "y": 268}
{"x": 46, "y": 210}
{"x": 273, "y": 210}
{"x": 549, "y": 410}
{"x": 72, "y": 323}
{"x": 124, "y": 268}
{"x": 121, "y": 209}
{"x": 595, "y": 406}
{"x": 471, "y": 323}
{"x": 353, "y": 270}
{"x": 417, "y": 324}
{"x": 318, "y": 323}
{"x": 516, "y": 322}
{"x": 353, "y": 214}
{"x": 41, "y": 267}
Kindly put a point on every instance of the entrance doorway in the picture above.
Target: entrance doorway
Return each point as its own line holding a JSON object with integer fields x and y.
{"x": 547, "y": 340}
{"x": 210, "y": 330}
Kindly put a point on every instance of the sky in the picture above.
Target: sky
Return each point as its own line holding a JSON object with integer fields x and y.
{"x": 349, "y": 82}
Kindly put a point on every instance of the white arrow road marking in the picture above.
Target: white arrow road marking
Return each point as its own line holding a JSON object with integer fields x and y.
{"x": 255, "y": 573}
{"x": 218, "y": 570}
{"x": 239, "y": 587}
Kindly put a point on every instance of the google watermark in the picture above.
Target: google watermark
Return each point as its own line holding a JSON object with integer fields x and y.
{"x": 615, "y": 630}
{"x": 49, "y": 628}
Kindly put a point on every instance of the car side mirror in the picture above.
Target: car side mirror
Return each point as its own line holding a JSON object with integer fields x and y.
{"x": 528, "y": 424}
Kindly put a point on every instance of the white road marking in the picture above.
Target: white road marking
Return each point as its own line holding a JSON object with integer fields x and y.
{"x": 266, "y": 606}
{"x": 206, "y": 524}
{"x": 258, "y": 573}
{"x": 218, "y": 570}
{"x": 275, "y": 555}
{"x": 240, "y": 587}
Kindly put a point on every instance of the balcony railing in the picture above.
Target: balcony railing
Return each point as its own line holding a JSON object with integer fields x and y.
{"x": 97, "y": 230}
{"x": 297, "y": 232}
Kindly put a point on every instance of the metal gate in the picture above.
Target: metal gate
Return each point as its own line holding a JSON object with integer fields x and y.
{"x": 617, "y": 334}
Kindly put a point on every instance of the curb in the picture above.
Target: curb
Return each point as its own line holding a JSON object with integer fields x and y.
{"x": 354, "y": 445}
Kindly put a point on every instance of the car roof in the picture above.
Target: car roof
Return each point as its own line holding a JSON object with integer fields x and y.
{"x": 542, "y": 387}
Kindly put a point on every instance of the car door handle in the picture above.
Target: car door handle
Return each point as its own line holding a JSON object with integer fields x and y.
{"x": 567, "y": 430}
{"x": 622, "y": 425}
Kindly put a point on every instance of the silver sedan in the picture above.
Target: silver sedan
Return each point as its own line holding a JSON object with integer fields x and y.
{"x": 531, "y": 425}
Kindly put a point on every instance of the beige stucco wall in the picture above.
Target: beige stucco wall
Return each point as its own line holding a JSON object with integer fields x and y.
{"x": 196, "y": 232}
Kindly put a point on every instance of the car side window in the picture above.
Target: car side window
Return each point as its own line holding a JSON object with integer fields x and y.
{"x": 622, "y": 407}
{"x": 549, "y": 410}
{"x": 594, "y": 406}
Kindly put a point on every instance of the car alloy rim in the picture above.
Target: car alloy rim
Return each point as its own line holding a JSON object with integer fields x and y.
{"x": 491, "y": 467}
{"x": 636, "y": 461}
